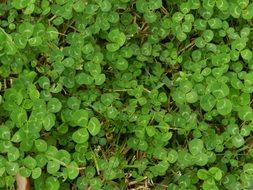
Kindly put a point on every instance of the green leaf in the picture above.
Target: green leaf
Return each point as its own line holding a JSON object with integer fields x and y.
{"x": 83, "y": 78}
{"x": 113, "y": 162}
{"x": 29, "y": 9}
{"x": 80, "y": 136}
{"x": 184, "y": 158}
{"x": 96, "y": 183}
{"x": 2, "y": 171}
{"x": 242, "y": 3}
{"x": 195, "y": 4}
{"x": 52, "y": 33}
{"x": 52, "y": 183}
{"x": 220, "y": 90}
{"x": 79, "y": 6}
{"x": 112, "y": 112}
{"x": 248, "y": 78}
{"x": 105, "y": 5}
{"x": 216, "y": 173}
{"x": 5, "y": 133}
{"x": 33, "y": 92}
{"x": 239, "y": 44}
{"x": 12, "y": 95}
{"x": 248, "y": 168}
{"x": 201, "y": 159}
{"x": 203, "y": 174}
{"x": 121, "y": 64}
{"x": 36, "y": 173}
{"x": 29, "y": 162}
{"x": 150, "y": 16}
{"x": 208, "y": 4}
{"x": 20, "y": 41}
{"x": 80, "y": 117}
{"x": 20, "y": 4}
{"x": 141, "y": 6}
{"x": 54, "y": 105}
{"x": 155, "y": 4}
{"x": 26, "y": 29}
{"x": 187, "y": 27}
{"x": 12, "y": 168}
{"x": 41, "y": 145}
{"x": 247, "y": 13}
{"x": 13, "y": 154}
{"x": 207, "y": 102}
{"x": 184, "y": 7}
{"x": 172, "y": 156}
{"x": 178, "y": 96}
{"x": 73, "y": 170}
{"x": 112, "y": 47}
{"x": 238, "y": 141}
{"x": 200, "y": 42}
{"x": 44, "y": 82}
{"x": 68, "y": 62}
{"x": 19, "y": 115}
{"x": 117, "y": 37}
{"x": 90, "y": 172}
{"x": 25, "y": 172}
{"x": 64, "y": 156}
{"x": 35, "y": 41}
{"x": 73, "y": 103}
{"x": 99, "y": 79}
{"x": 222, "y": 5}
{"x": 224, "y": 106}
{"x": 181, "y": 36}
{"x": 48, "y": 121}
{"x": 235, "y": 10}
{"x": 246, "y": 54}
{"x": 196, "y": 146}
{"x": 52, "y": 167}
{"x": 107, "y": 99}
{"x": 192, "y": 97}
{"x": 245, "y": 113}
{"x": 110, "y": 174}
{"x": 210, "y": 184}
{"x": 208, "y": 35}
{"x": 150, "y": 130}
{"x": 94, "y": 126}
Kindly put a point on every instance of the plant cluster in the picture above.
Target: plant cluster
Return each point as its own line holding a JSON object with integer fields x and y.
{"x": 126, "y": 94}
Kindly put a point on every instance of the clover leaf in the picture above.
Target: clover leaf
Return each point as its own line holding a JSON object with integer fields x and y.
{"x": 36, "y": 173}
{"x": 41, "y": 145}
{"x": 94, "y": 126}
{"x": 52, "y": 183}
{"x": 83, "y": 78}
{"x": 19, "y": 115}
{"x": 196, "y": 146}
{"x": 117, "y": 39}
{"x": 80, "y": 117}
{"x": 54, "y": 105}
{"x": 80, "y": 135}
{"x": 224, "y": 106}
{"x": 245, "y": 113}
{"x": 13, "y": 154}
{"x": 207, "y": 102}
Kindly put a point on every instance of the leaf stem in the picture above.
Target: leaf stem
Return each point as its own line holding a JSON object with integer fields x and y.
{"x": 56, "y": 160}
{"x": 192, "y": 44}
{"x": 96, "y": 163}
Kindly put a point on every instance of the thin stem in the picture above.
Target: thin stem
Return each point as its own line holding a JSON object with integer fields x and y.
{"x": 186, "y": 47}
{"x": 56, "y": 160}
{"x": 96, "y": 163}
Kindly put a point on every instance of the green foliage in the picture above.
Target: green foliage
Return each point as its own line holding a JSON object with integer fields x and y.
{"x": 122, "y": 94}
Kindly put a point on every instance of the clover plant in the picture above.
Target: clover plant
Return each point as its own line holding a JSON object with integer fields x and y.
{"x": 126, "y": 94}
